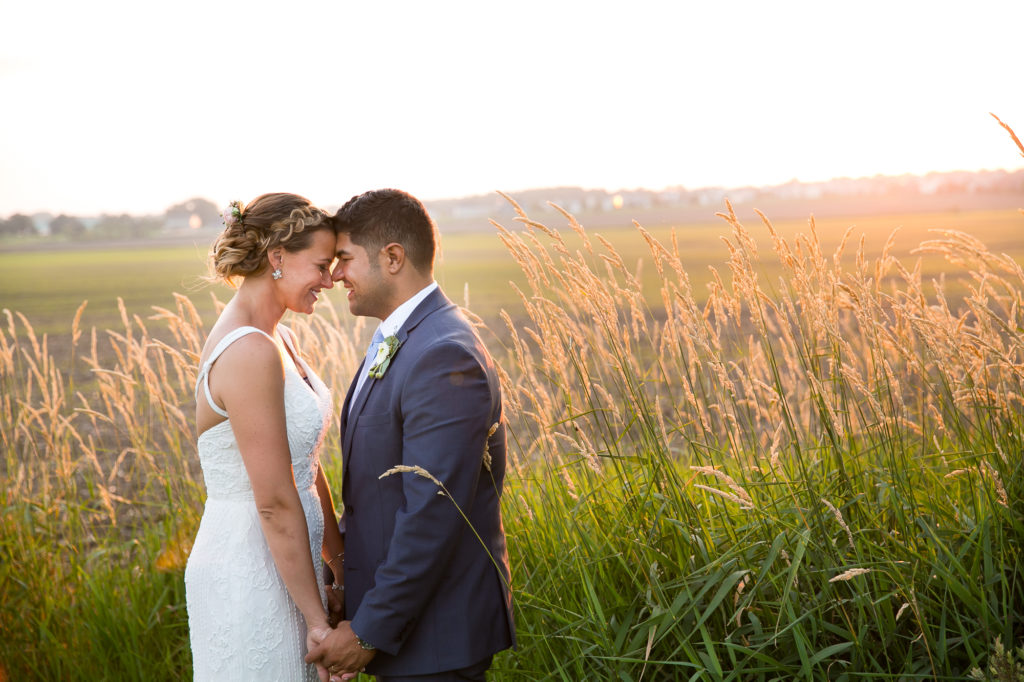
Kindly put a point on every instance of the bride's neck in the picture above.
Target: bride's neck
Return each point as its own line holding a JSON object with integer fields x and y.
{"x": 255, "y": 304}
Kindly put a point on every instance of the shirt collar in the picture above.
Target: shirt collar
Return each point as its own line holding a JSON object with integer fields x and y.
{"x": 394, "y": 321}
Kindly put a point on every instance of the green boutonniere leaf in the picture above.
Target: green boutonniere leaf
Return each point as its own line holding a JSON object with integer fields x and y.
{"x": 386, "y": 350}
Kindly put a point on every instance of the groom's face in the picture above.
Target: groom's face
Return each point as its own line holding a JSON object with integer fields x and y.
{"x": 362, "y": 278}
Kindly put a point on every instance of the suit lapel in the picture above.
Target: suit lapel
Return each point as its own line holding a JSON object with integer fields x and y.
{"x": 435, "y": 300}
{"x": 360, "y": 398}
{"x": 346, "y": 440}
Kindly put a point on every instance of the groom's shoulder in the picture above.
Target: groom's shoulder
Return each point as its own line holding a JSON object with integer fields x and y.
{"x": 452, "y": 323}
{"x": 446, "y": 314}
{"x": 446, "y": 327}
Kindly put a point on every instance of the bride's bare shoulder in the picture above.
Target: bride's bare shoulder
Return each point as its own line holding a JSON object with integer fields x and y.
{"x": 249, "y": 342}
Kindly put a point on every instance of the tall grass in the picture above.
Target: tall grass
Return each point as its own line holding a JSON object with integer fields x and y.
{"x": 102, "y": 492}
{"x": 808, "y": 476}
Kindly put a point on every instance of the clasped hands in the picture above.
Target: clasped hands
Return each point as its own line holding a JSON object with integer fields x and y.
{"x": 336, "y": 653}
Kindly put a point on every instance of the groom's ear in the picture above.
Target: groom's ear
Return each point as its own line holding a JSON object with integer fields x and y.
{"x": 393, "y": 256}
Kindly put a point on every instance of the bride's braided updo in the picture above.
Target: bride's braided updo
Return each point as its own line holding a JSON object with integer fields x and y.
{"x": 266, "y": 222}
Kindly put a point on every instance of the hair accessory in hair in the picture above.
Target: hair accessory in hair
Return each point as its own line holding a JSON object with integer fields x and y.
{"x": 232, "y": 215}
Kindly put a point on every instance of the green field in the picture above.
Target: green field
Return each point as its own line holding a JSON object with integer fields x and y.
{"x": 48, "y": 286}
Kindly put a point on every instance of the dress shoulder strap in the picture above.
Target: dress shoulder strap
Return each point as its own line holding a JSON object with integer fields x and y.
{"x": 222, "y": 345}
{"x": 288, "y": 336}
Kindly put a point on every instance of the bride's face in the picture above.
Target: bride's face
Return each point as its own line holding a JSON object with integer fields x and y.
{"x": 304, "y": 273}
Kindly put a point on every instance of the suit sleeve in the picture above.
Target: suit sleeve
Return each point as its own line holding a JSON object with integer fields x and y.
{"x": 447, "y": 408}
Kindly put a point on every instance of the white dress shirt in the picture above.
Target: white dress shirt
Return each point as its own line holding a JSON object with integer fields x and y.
{"x": 390, "y": 327}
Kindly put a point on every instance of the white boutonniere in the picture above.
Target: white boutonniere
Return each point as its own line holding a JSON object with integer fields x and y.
{"x": 386, "y": 350}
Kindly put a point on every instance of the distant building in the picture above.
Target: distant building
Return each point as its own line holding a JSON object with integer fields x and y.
{"x": 42, "y": 221}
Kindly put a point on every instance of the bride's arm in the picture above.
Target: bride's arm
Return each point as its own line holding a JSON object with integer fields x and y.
{"x": 334, "y": 542}
{"x": 333, "y": 551}
{"x": 250, "y": 384}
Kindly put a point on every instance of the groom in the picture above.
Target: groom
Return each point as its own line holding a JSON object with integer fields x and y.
{"x": 427, "y": 599}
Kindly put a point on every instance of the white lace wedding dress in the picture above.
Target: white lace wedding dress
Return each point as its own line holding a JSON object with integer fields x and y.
{"x": 242, "y": 623}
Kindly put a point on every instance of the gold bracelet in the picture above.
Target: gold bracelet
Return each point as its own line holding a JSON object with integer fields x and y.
{"x": 331, "y": 561}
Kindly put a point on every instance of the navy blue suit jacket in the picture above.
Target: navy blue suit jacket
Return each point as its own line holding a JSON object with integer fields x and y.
{"x": 419, "y": 584}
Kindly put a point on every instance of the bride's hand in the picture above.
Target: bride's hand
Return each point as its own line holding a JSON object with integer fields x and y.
{"x": 313, "y": 638}
{"x": 335, "y": 606}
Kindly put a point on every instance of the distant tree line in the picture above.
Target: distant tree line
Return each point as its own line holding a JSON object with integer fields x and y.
{"x": 192, "y": 214}
{"x": 17, "y": 225}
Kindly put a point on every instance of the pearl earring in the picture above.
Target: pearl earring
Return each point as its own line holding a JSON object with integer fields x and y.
{"x": 276, "y": 274}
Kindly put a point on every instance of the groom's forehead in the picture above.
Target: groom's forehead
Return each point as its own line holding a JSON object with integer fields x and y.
{"x": 344, "y": 245}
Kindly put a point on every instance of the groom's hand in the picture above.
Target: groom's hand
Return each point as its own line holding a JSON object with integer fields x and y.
{"x": 339, "y": 652}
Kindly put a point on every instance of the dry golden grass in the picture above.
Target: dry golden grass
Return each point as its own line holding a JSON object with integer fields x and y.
{"x": 120, "y": 452}
{"x": 761, "y": 368}
{"x": 795, "y": 394}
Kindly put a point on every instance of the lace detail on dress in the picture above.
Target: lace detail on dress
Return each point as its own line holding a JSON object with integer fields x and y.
{"x": 242, "y": 623}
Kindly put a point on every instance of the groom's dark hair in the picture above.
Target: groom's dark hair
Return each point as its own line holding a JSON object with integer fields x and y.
{"x": 379, "y": 217}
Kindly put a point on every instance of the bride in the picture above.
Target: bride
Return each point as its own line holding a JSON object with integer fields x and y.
{"x": 254, "y": 600}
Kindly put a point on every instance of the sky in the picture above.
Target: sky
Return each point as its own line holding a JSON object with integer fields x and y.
{"x": 113, "y": 106}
